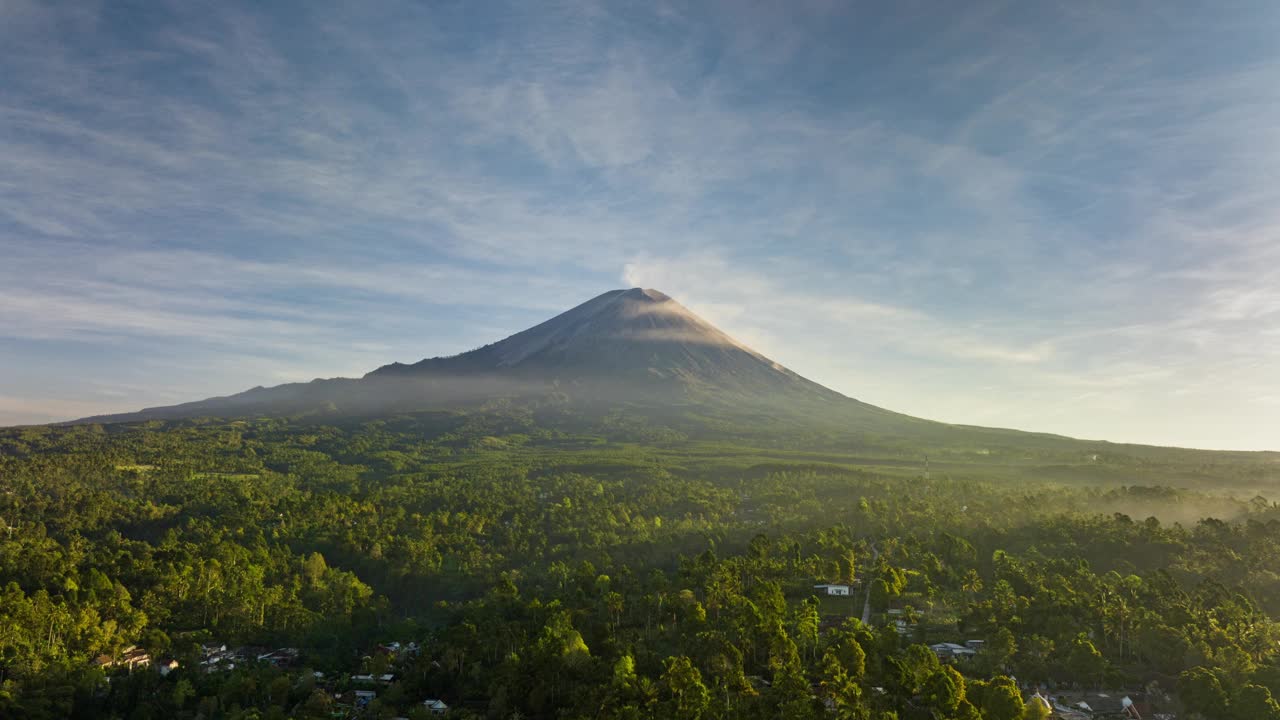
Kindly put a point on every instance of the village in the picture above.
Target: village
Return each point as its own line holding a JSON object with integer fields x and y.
{"x": 1060, "y": 703}
{"x": 351, "y": 695}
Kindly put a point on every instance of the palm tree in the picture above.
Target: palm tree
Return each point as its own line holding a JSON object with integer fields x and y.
{"x": 972, "y": 583}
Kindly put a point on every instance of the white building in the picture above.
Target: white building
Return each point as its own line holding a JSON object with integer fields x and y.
{"x": 833, "y": 589}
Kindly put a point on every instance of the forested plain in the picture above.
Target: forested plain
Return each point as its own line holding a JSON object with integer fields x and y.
{"x": 613, "y": 566}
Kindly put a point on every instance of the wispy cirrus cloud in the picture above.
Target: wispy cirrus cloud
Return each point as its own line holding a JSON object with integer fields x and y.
{"x": 973, "y": 213}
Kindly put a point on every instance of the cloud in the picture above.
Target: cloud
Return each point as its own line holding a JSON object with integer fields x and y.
{"x": 908, "y": 206}
{"x": 754, "y": 305}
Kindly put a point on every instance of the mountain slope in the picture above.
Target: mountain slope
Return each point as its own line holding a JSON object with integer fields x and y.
{"x": 633, "y": 337}
{"x": 635, "y": 346}
{"x": 636, "y": 349}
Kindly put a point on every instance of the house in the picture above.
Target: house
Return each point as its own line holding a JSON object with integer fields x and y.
{"x": 951, "y": 651}
{"x": 132, "y": 657}
{"x": 975, "y": 645}
{"x": 212, "y": 666}
{"x": 435, "y": 707}
{"x": 397, "y": 648}
{"x": 223, "y": 662}
{"x": 248, "y": 653}
{"x": 1098, "y": 705}
{"x": 1067, "y": 713}
{"x": 841, "y": 590}
{"x": 215, "y": 655}
{"x": 167, "y": 667}
{"x": 281, "y": 657}
{"x": 364, "y": 697}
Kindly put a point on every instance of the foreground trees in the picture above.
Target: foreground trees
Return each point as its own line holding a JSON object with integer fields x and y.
{"x": 548, "y": 572}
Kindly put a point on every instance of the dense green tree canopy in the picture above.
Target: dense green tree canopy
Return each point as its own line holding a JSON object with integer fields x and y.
{"x": 554, "y": 566}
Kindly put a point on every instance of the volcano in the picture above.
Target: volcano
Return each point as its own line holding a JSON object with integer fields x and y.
{"x": 631, "y": 339}
{"x": 633, "y": 346}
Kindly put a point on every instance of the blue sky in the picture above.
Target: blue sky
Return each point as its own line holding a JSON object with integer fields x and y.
{"x": 1053, "y": 216}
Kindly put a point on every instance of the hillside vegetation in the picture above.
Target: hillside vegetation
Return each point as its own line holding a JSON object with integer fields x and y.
{"x": 559, "y": 564}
